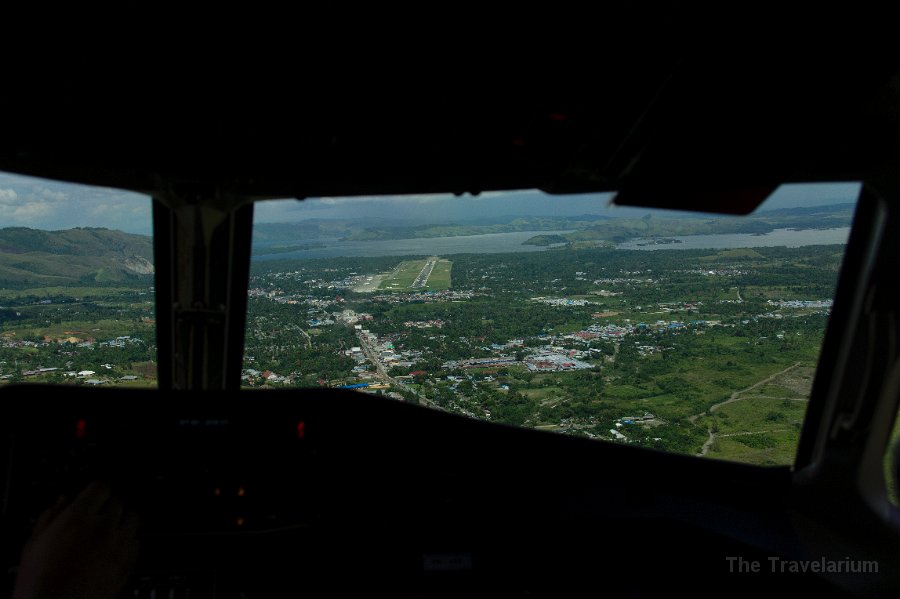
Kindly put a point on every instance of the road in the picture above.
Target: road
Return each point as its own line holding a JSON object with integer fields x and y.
{"x": 736, "y": 396}
{"x": 371, "y": 354}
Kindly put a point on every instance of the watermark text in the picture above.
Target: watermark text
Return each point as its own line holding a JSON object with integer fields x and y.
{"x": 778, "y": 565}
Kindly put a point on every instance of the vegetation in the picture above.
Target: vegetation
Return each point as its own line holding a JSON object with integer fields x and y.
{"x": 586, "y": 228}
{"x": 404, "y": 231}
{"x": 695, "y": 351}
{"x": 440, "y": 276}
{"x": 91, "y": 336}
{"x": 286, "y": 249}
{"x": 30, "y": 258}
{"x": 649, "y": 226}
{"x": 545, "y": 240}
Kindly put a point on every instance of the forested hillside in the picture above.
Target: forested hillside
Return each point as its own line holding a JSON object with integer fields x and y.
{"x": 30, "y": 257}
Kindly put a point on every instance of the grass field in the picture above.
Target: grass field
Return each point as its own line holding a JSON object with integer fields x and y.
{"x": 440, "y": 276}
{"x": 763, "y": 425}
{"x": 764, "y": 449}
{"x": 541, "y": 394}
{"x": 100, "y": 329}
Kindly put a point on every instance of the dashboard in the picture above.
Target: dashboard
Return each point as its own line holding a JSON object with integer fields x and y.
{"x": 333, "y": 493}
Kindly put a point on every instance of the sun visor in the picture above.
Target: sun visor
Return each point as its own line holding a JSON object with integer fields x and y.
{"x": 719, "y": 201}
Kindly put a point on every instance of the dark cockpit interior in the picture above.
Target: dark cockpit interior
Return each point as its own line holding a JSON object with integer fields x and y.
{"x": 327, "y": 492}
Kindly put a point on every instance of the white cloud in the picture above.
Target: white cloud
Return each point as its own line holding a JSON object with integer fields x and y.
{"x": 8, "y": 196}
{"x": 24, "y": 214}
{"x": 49, "y": 194}
{"x": 404, "y": 199}
{"x": 101, "y": 209}
{"x": 47, "y": 204}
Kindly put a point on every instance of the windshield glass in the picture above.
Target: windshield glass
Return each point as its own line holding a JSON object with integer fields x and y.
{"x": 691, "y": 333}
{"x": 76, "y": 284}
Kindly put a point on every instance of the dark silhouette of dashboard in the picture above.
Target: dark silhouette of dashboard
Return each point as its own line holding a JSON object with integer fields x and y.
{"x": 333, "y": 493}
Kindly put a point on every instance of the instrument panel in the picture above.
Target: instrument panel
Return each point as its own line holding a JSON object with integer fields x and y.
{"x": 336, "y": 493}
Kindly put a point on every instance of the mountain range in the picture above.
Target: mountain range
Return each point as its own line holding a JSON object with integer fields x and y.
{"x": 94, "y": 256}
{"x": 80, "y": 256}
{"x": 587, "y": 227}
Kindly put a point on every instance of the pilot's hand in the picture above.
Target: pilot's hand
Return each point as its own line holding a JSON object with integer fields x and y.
{"x": 84, "y": 549}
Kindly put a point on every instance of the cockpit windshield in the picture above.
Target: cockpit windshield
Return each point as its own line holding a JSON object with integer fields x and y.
{"x": 691, "y": 333}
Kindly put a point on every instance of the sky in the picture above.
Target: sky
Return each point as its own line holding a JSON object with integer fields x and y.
{"x": 494, "y": 204}
{"x": 53, "y": 205}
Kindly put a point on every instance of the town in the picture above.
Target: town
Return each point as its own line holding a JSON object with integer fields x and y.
{"x": 568, "y": 341}
{"x": 635, "y": 347}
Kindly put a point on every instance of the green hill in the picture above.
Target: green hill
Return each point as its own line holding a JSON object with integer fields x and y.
{"x": 655, "y": 226}
{"x": 35, "y": 258}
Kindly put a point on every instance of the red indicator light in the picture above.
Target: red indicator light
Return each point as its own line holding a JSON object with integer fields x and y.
{"x": 239, "y": 521}
{"x": 518, "y": 141}
{"x": 301, "y": 430}
{"x": 81, "y": 429}
{"x": 241, "y": 492}
{"x": 558, "y": 117}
